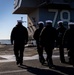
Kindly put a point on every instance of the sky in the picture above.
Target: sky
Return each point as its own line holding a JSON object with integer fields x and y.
{"x": 7, "y": 19}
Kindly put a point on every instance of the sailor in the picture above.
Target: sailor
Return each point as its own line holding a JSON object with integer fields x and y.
{"x": 69, "y": 39}
{"x": 60, "y": 33}
{"x": 48, "y": 36}
{"x": 19, "y": 38}
{"x": 36, "y": 37}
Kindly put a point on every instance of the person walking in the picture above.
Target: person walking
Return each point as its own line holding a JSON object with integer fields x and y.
{"x": 36, "y": 37}
{"x": 69, "y": 39}
{"x": 19, "y": 38}
{"x": 47, "y": 39}
{"x": 60, "y": 33}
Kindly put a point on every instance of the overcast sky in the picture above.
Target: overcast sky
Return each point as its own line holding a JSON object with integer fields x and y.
{"x": 7, "y": 19}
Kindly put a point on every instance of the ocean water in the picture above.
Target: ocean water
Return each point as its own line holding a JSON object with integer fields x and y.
{"x": 5, "y": 42}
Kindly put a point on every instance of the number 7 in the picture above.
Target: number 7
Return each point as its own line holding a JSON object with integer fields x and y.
{"x": 55, "y": 16}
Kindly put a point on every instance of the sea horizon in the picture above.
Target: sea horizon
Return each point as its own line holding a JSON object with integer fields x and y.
{"x": 5, "y": 41}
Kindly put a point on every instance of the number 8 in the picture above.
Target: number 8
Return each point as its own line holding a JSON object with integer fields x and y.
{"x": 61, "y": 15}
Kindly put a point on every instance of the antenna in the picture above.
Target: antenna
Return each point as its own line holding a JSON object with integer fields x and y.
{"x": 22, "y": 18}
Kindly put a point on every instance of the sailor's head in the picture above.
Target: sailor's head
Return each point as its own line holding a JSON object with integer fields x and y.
{"x": 60, "y": 23}
{"x": 40, "y": 24}
{"x": 19, "y": 21}
{"x": 71, "y": 24}
{"x": 48, "y": 22}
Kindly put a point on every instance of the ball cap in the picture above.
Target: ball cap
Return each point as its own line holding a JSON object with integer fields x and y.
{"x": 48, "y": 21}
{"x": 71, "y": 23}
{"x": 40, "y": 22}
{"x": 59, "y": 22}
{"x": 20, "y": 21}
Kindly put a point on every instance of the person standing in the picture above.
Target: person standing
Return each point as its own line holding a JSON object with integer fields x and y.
{"x": 36, "y": 37}
{"x": 60, "y": 33}
{"x": 47, "y": 39}
{"x": 19, "y": 37}
{"x": 69, "y": 39}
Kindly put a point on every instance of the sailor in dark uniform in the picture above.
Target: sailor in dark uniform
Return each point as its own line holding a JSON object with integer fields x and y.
{"x": 60, "y": 33}
{"x": 19, "y": 37}
{"x": 69, "y": 39}
{"x": 36, "y": 37}
{"x": 47, "y": 39}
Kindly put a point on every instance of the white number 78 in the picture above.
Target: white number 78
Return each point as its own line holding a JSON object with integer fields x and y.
{"x": 61, "y": 15}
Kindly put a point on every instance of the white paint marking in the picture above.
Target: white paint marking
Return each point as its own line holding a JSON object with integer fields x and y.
{"x": 10, "y": 58}
{"x": 14, "y": 71}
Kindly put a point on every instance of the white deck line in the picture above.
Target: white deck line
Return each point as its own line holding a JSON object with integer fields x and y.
{"x": 14, "y": 71}
{"x": 10, "y": 58}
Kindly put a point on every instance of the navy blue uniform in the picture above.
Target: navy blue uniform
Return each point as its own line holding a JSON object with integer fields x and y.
{"x": 60, "y": 33}
{"x": 19, "y": 37}
{"x": 47, "y": 39}
{"x": 69, "y": 39}
{"x": 39, "y": 48}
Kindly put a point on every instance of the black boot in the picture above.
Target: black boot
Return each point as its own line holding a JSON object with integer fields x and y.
{"x": 42, "y": 60}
